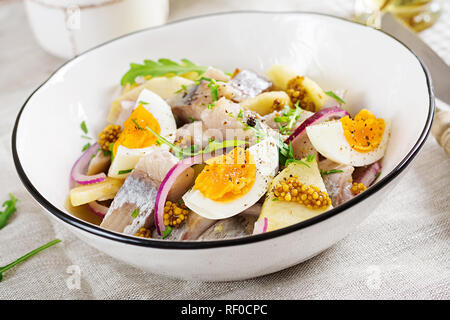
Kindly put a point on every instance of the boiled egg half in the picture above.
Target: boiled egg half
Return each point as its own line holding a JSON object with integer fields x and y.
{"x": 356, "y": 142}
{"x": 135, "y": 141}
{"x": 233, "y": 182}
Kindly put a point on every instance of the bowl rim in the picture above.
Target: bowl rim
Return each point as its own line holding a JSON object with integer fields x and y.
{"x": 195, "y": 244}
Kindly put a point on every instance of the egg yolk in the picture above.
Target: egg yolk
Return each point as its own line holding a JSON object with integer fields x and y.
{"x": 365, "y": 132}
{"x": 228, "y": 176}
{"x": 134, "y": 134}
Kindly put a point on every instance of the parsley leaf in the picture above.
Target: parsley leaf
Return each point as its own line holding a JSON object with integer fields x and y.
{"x": 111, "y": 149}
{"x": 334, "y": 96}
{"x": 137, "y": 125}
{"x": 290, "y": 115}
{"x": 160, "y": 68}
{"x": 191, "y": 151}
{"x": 324, "y": 172}
{"x": 135, "y": 213}
{"x": 183, "y": 88}
{"x": 214, "y": 89}
{"x": 25, "y": 257}
{"x": 289, "y": 161}
{"x": 85, "y": 147}
{"x": 167, "y": 232}
{"x": 310, "y": 157}
{"x": 10, "y": 208}
{"x": 84, "y": 127}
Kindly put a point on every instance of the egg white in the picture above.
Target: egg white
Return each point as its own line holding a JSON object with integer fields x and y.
{"x": 126, "y": 158}
{"x": 329, "y": 140}
{"x": 265, "y": 154}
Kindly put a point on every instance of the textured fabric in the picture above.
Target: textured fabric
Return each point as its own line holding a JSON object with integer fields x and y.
{"x": 401, "y": 251}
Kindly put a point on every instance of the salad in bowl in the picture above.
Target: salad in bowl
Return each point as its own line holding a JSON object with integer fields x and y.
{"x": 190, "y": 152}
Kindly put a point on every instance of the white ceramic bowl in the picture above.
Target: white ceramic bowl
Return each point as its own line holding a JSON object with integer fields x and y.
{"x": 378, "y": 71}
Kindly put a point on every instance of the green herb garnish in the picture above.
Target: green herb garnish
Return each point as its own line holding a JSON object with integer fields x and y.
{"x": 125, "y": 171}
{"x": 10, "y": 208}
{"x": 25, "y": 257}
{"x": 142, "y": 102}
{"x": 137, "y": 125}
{"x": 376, "y": 177}
{"x": 86, "y": 137}
{"x": 135, "y": 213}
{"x": 214, "y": 89}
{"x": 310, "y": 157}
{"x": 183, "y": 88}
{"x": 166, "y": 232}
{"x": 111, "y": 149}
{"x": 213, "y": 145}
{"x": 240, "y": 114}
{"x": 290, "y": 115}
{"x": 191, "y": 118}
{"x": 84, "y": 127}
{"x": 324, "y": 172}
{"x": 85, "y": 147}
{"x": 275, "y": 199}
{"x": 289, "y": 161}
{"x": 334, "y": 96}
{"x": 191, "y": 151}
{"x": 160, "y": 68}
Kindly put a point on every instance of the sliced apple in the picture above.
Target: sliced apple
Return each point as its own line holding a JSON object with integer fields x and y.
{"x": 280, "y": 75}
{"x": 280, "y": 213}
{"x": 97, "y": 191}
{"x": 266, "y": 102}
{"x": 315, "y": 93}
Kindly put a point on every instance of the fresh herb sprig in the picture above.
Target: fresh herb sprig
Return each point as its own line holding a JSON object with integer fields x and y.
{"x": 167, "y": 231}
{"x": 182, "y": 89}
{"x": 332, "y": 171}
{"x": 160, "y": 68}
{"x": 289, "y": 116}
{"x": 191, "y": 151}
{"x": 334, "y": 96}
{"x": 213, "y": 89}
{"x": 10, "y": 208}
{"x": 85, "y": 147}
{"x": 83, "y": 127}
{"x": 135, "y": 213}
{"x": 27, "y": 256}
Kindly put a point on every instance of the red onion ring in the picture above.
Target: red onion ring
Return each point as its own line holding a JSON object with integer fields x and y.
{"x": 98, "y": 209}
{"x": 167, "y": 184}
{"x": 318, "y": 117}
{"x": 81, "y": 165}
{"x": 260, "y": 226}
{"x": 369, "y": 174}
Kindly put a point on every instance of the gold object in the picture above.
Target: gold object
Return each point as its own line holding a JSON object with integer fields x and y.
{"x": 416, "y": 14}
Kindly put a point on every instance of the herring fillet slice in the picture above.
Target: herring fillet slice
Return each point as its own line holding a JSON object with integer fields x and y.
{"x": 234, "y": 227}
{"x": 139, "y": 192}
{"x": 338, "y": 184}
